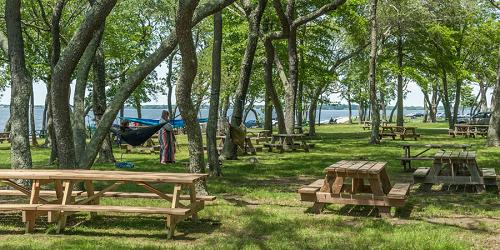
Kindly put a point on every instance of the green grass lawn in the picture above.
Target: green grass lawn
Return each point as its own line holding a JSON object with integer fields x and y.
{"x": 257, "y": 205}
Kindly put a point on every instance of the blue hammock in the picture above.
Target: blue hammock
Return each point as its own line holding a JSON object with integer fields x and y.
{"x": 176, "y": 123}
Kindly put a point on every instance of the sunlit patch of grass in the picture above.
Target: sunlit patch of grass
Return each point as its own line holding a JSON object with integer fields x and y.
{"x": 257, "y": 206}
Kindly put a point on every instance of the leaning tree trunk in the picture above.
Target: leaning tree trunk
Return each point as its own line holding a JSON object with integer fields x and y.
{"x": 99, "y": 103}
{"x": 82, "y": 75}
{"x": 372, "y": 75}
{"x": 312, "y": 110}
{"x": 254, "y": 17}
{"x": 494, "y": 129}
{"x": 20, "y": 88}
{"x": 34, "y": 142}
{"x": 213, "y": 116}
{"x": 136, "y": 76}
{"x": 62, "y": 74}
{"x": 189, "y": 64}
{"x": 268, "y": 79}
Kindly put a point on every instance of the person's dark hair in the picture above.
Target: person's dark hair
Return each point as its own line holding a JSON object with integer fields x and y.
{"x": 165, "y": 114}
{"x": 124, "y": 124}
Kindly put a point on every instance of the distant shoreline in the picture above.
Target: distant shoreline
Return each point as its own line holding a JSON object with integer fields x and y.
{"x": 329, "y": 107}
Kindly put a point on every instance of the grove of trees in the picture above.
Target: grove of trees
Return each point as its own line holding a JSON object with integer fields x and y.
{"x": 234, "y": 54}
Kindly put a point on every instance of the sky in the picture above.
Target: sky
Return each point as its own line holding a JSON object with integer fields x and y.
{"x": 413, "y": 98}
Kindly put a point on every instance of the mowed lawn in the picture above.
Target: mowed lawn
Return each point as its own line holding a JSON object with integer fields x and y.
{"x": 257, "y": 205}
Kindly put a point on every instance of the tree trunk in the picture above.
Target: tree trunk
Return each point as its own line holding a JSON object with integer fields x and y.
{"x": 169, "y": 85}
{"x": 312, "y": 110}
{"x": 456, "y": 106}
{"x": 349, "y": 107}
{"x": 34, "y": 142}
{"x": 400, "y": 105}
{"x": 483, "y": 89}
{"x": 392, "y": 112}
{"x": 99, "y": 103}
{"x": 268, "y": 80}
{"x": 253, "y": 17}
{"x": 62, "y": 73}
{"x": 82, "y": 75}
{"x": 375, "y": 113}
{"x": 21, "y": 84}
{"x": 225, "y": 107}
{"x": 292, "y": 83}
{"x": 212, "y": 152}
{"x": 446, "y": 100}
{"x": 184, "y": 85}
{"x": 494, "y": 129}
{"x": 135, "y": 77}
{"x": 45, "y": 111}
{"x": 51, "y": 135}
{"x": 138, "y": 107}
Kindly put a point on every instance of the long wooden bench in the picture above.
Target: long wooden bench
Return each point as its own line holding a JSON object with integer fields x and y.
{"x": 173, "y": 215}
{"x": 395, "y": 198}
{"x": 49, "y": 193}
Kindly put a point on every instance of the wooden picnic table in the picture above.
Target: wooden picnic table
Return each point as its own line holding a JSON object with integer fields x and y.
{"x": 455, "y": 167}
{"x": 284, "y": 142}
{"x": 334, "y": 188}
{"x": 469, "y": 130}
{"x": 368, "y": 124}
{"x": 66, "y": 201}
{"x": 402, "y": 131}
{"x": 248, "y": 145}
{"x": 259, "y": 136}
{"x": 408, "y": 157}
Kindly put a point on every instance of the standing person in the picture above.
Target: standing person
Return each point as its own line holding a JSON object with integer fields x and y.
{"x": 167, "y": 140}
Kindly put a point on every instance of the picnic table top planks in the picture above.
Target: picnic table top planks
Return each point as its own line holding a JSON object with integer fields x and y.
{"x": 356, "y": 167}
{"x": 100, "y": 175}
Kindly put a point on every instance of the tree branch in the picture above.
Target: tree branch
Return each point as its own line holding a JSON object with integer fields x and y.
{"x": 319, "y": 12}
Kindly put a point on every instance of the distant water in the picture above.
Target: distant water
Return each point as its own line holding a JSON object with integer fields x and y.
{"x": 155, "y": 114}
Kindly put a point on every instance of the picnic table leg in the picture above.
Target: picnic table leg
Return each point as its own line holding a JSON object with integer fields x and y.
{"x": 34, "y": 198}
{"x": 376, "y": 187}
{"x": 172, "y": 219}
{"x": 192, "y": 196}
{"x": 53, "y": 216}
{"x": 90, "y": 192}
{"x": 68, "y": 189}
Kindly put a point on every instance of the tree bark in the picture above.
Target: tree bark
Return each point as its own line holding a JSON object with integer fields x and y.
{"x": 184, "y": 85}
{"x": 494, "y": 129}
{"x": 34, "y": 142}
{"x": 79, "y": 131}
{"x": 21, "y": 83}
{"x": 446, "y": 100}
{"x": 268, "y": 79}
{"x": 372, "y": 75}
{"x": 136, "y": 76}
{"x": 254, "y": 16}
{"x": 313, "y": 108}
{"x": 61, "y": 78}
{"x": 169, "y": 85}
{"x": 399, "y": 103}
{"x": 99, "y": 103}
{"x": 213, "y": 116}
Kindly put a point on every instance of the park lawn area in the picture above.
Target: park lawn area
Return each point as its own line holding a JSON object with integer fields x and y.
{"x": 257, "y": 205}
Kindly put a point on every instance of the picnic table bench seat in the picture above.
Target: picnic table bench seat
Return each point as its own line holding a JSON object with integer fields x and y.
{"x": 50, "y": 193}
{"x": 68, "y": 202}
{"x": 456, "y": 168}
{"x": 335, "y": 189}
